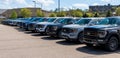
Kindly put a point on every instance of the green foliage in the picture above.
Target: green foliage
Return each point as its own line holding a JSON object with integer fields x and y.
{"x": 26, "y": 12}
{"x": 118, "y": 11}
{"x": 61, "y": 14}
{"x": 76, "y": 13}
{"x": 52, "y": 15}
{"x": 13, "y": 15}
{"x": 96, "y": 14}
{"x": 40, "y": 13}
{"x": 109, "y": 14}
{"x": 88, "y": 15}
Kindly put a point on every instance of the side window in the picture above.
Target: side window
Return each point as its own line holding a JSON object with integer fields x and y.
{"x": 69, "y": 21}
{"x": 65, "y": 21}
{"x": 118, "y": 22}
{"x": 93, "y": 22}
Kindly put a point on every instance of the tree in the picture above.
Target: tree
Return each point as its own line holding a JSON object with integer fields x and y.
{"x": 118, "y": 11}
{"x": 13, "y": 15}
{"x": 52, "y": 15}
{"x": 40, "y": 13}
{"x": 61, "y": 14}
{"x": 85, "y": 15}
{"x": 25, "y": 12}
{"x": 76, "y": 13}
{"x": 96, "y": 14}
{"x": 88, "y": 15}
{"x": 109, "y": 13}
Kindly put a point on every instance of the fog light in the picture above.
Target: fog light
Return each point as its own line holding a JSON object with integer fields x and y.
{"x": 72, "y": 34}
{"x": 100, "y": 40}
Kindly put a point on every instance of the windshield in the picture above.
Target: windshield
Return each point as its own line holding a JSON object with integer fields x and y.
{"x": 108, "y": 21}
{"x": 41, "y": 19}
{"x": 83, "y": 21}
{"x": 60, "y": 20}
{"x": 34, "y": 19}
{"x": 51, "y": 19}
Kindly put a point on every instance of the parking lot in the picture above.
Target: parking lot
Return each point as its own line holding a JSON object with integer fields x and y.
{"x": 17, "y": 43}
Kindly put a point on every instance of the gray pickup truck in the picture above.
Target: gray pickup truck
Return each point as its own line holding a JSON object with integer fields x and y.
{"x": 74, "y": 32}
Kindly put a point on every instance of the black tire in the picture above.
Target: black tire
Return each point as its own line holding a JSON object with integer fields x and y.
{"x": 33, "y": 31}
{"x": 68, "y": 40}
{"x": 112, "y": 44}
{"x": 89, "y": 45}
{"x": 52, "y": 36}
{"x": 80, "y": 38}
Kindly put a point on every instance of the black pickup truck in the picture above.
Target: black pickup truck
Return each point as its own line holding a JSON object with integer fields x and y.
{"x": 54, "y": 29}
{"x": 106, "y": 34}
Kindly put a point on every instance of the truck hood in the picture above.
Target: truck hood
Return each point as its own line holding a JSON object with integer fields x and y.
{"x": 45, "y": 23}
{"x": 74, "y": 26}
{"x": 101, "y": 26}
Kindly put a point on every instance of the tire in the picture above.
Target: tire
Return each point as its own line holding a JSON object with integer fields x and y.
{"x": 89, "y": 45}
{"x": 112, "y": 44}
{"x": 80, "y": 38}
{"x": 33, "y": 31}
{"x": 67, "y": 40}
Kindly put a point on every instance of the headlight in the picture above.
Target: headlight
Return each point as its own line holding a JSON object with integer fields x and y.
{"x": 102, "y": 34}
{"x": 55, "y": 27}
{"x": 74, "y": 30}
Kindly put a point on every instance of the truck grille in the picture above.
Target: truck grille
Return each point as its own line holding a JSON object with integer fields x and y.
{"x": 50, "y": 29}
{"x": 40, "y": 26}
{"x": 90, "y": 32}
{"x": 66, "y": 30}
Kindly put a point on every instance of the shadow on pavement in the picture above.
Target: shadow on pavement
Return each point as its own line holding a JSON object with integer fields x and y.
{"x": 38, "y": 34}
{"x": 50, "y": 38}
{"x": 95, "y": 50}
{"x": 19, "y": 29}
{"x": 64, "y": 42}
{"x": 29, "y": 32}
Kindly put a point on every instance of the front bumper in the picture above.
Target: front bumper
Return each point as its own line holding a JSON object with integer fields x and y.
{"x": 40, "y": 30}
{"x": 70, "y": 36}
{"x": 31, "y": 28}
{"x": 94, "y": 40}
{"x": 52, "y": 33}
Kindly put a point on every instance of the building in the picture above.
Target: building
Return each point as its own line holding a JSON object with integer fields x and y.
{"x": 103, "y": 8}
{"x": 7, "y": 12}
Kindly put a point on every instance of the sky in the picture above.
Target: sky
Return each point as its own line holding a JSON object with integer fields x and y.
{"x": 52, "y": 4}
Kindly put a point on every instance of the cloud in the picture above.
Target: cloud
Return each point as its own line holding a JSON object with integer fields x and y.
{"x": 109, "y": 1}
{"x": 95, "y": 4}
{"x": 45, "y": 2}
{"x": 23, "y": 3}
{"x": 81, "y": 6}
{"x": 13, "y": 3}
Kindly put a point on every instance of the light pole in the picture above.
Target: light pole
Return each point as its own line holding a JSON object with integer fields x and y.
{"x": 41, "y": 5}
{"x": 58, "y": 5}
{"x": 34, "y": 3}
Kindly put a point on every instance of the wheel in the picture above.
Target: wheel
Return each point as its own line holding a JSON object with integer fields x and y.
{"x": 67, "y": 40}
{"x": 112, "y": 44}
{"x": 52, "y": 36}
{"x": 89, "y": 45}
{"x": 80, "y": 37}
{"x": 42, "y": 33}
{"x": 33, "y": 31}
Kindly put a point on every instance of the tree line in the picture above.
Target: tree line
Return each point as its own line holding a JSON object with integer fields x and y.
{"x": 71, "y": 13}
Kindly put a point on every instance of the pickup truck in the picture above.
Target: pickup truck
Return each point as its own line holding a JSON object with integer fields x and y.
{"x": 41, "y": 26}
{"x": 54, "y": 29}
{"x": 106, "y": 34}
{"x": 74, "y": 32}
